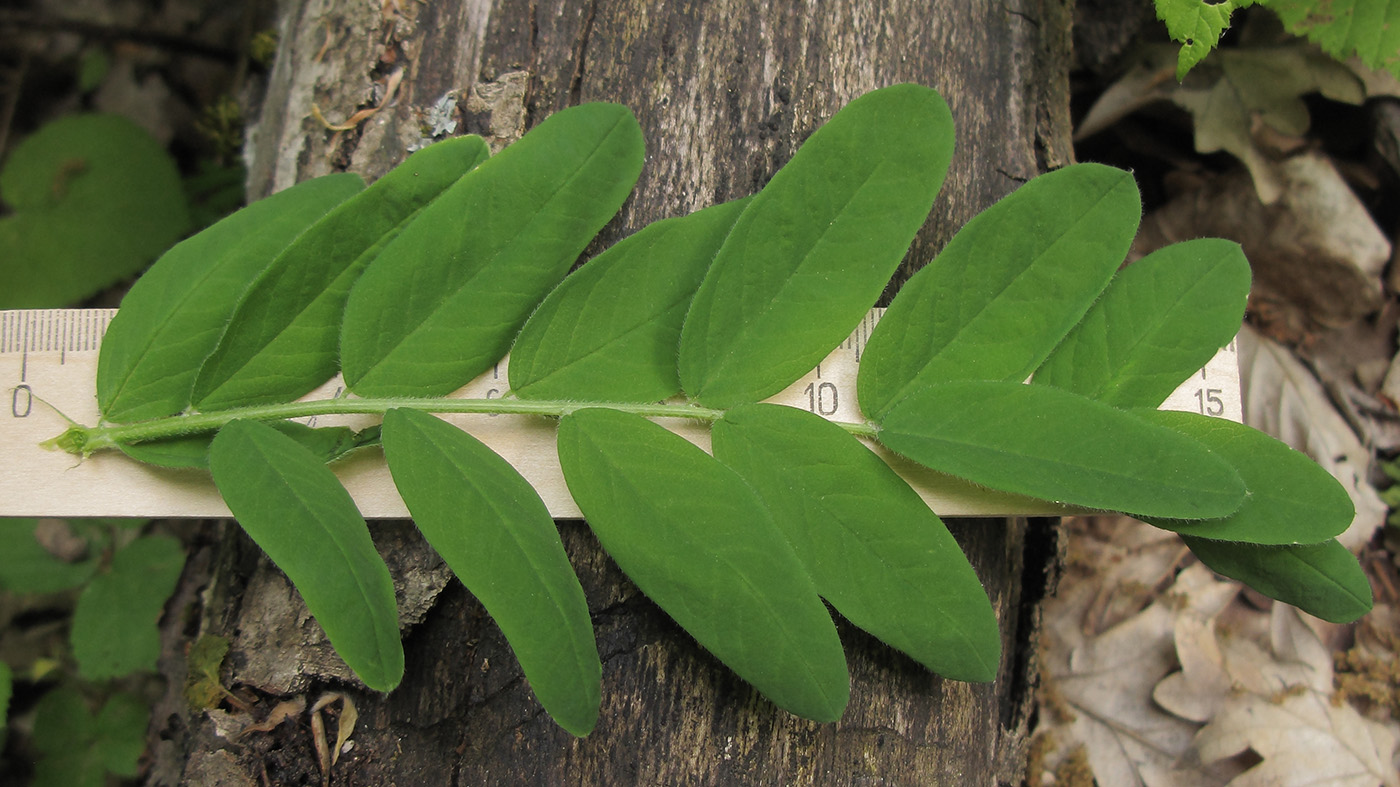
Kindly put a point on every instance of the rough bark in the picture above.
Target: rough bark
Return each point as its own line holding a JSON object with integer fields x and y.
{"x": 725, "y": 91}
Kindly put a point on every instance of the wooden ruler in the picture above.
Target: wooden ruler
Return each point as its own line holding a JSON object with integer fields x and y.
{"x": 48, "y": 364}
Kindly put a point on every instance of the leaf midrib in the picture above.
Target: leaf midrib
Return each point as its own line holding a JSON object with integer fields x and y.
{"x": 645, "y": 497}
{"x": 902, "y": 392}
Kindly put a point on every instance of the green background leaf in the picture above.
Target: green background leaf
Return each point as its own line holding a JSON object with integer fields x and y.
{"x": 871, "y": 544}
{"x": 1008, "y": 287}
{"x": 1197, "y": 25}
{"x": 295, "y": 509}
{"x": 1291, "y": 499}
{"x": 116, "y": 623}
{"x": 284, "y": 339}
{"x": 26, "y": 567}
{"x": 486, "y": 521}
{"x": 444, "y": 299}
{"x": 1054, "y": 445}
{"x": 815, "y": 248}
{"x": 1368, "y": 28}
{"x": 1160, "y": 320}
{"x": 77, "y": 749}
{"x": 174, "y": 316}
{"x": 609, "y": 331}
{"x": 6, "y": 690}
{"x": 1321, "y": 579}
{"x": 94, "y": 198}
{"x": 697, "y": 540}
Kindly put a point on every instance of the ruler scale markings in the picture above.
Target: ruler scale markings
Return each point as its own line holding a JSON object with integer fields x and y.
{"x": 51, "y": 356}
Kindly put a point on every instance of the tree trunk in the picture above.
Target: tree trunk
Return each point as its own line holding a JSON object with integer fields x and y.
{"x": 725, "y": 91}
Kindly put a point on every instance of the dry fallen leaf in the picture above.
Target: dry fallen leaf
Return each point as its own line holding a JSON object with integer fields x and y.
{"x": 1282, "y": 398}
{"x": 1102, "y": 665}
{"x": 282, "y": 711}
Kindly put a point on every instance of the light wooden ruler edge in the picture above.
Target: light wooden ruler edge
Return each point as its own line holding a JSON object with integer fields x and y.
{"x": 48, "y": 361}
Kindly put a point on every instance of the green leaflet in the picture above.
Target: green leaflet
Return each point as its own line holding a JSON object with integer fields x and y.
{"x": 114, "y": 625}
{"x": 174, "y": 316}
{"x": 1054, "y": 445}
{"x": 296, "y": 510}
{"x": 1160, "y": 320}
{"x": 444, "y": 299}
{"x": 284, "y": 339}
{"x": 812, "y": 253}
{"x": 192, "y": 452}
{"x": 1291, "y": 499}
{"x": 875, "y": 550}
{"x": 609, "y": 331}
{"x": 1321, "y": 579}
{"x": 697, "y": 540}
{"x": 494, "y": 531}
{"x": 1008, "y": 287}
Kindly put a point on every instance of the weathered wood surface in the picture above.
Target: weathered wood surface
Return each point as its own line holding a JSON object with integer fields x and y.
{"x": 724, "y": 91}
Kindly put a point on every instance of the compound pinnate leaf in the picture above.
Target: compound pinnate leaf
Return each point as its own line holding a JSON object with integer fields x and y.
{"x": 698, "y": 541}
{"x": 115, "y": 623}
{"x": 284, "y": 340}
{"x": 1291, "y": 499}
{"x": 486, "y": 521}
{"x": 444, "y": 299}
{"x": 1160, "y": 320}
{"x": 1054, "y": 445}
{"x": 1321, "y": 579}
{"x": 811, "y": 254}
{"x": 609, "y": 331}
{"x": 174, "y": 316}
{"x": 1006, "y": 289}
{"x": 875, "y": 550}
{"x": 295, "y": 509}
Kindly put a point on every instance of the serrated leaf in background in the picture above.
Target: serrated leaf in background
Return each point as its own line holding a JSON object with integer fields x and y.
{"x": 295, "y": 509}
{"x": 116, "y": 623}
{"x": 495, "y": 533}
{"x": 1197, "y": 25}
{"x": 876, "y": 551}
{"x": 609, "y": 332}
{"x": 174, "y": 316}
{"x": 445, "y": 298}
{"x": 816, "y": 247}
{"x": 94, "y": 198}
{"x": 1368, "y": 28}
{"x": 284, "y": 339}
{"x": 1160, "y": 320}
{"x": 1006, "y": 289}
{"x": 698, "y": 541}
{"x": 1054, "y": 445}
{"x": 1291, "y": 500}
{"x": 1321, "y": 579}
